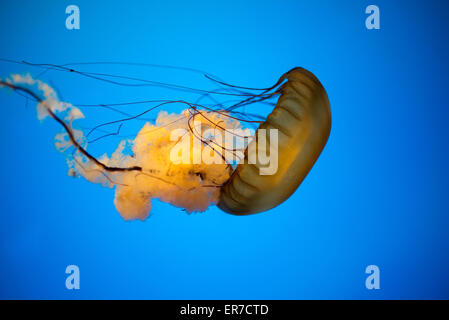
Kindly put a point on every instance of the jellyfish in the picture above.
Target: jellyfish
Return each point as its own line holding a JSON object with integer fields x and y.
{"x": 212, "y": 153}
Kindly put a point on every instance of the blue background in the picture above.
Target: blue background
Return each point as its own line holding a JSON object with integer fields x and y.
{"x": 377, "y": 195}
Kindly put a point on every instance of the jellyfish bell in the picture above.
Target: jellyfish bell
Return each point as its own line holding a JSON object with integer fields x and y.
{"x": 240, "y": 184}
{"x": 303, "y": 118}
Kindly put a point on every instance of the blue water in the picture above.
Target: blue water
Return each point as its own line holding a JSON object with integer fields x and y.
{"x": 377, "y": 195}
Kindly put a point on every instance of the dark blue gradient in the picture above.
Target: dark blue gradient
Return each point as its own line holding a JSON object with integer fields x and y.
{"x": 377, "y": 195}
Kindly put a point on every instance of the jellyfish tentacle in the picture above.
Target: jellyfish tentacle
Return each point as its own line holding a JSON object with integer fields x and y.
{"x": 69, "y": 131}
